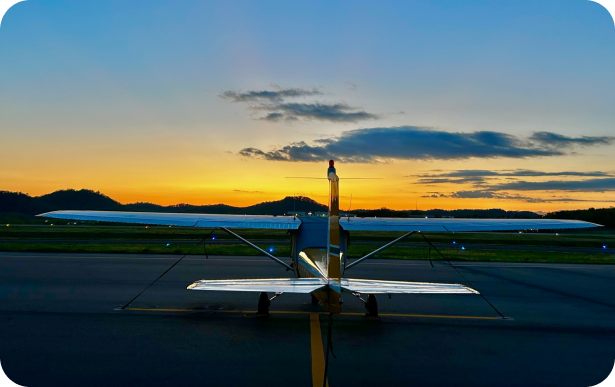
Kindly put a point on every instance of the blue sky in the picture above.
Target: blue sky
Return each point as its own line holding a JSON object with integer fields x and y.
{"x": 133, "y": 89}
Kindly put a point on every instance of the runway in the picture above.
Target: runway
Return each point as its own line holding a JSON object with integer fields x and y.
{"x": 581, "y": 250}
{"x": 60, "y": 325}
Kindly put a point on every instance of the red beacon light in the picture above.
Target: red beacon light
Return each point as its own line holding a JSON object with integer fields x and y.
{"x": 331, "y": 163}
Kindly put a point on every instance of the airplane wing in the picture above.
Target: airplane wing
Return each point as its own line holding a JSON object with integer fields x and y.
{"x": 377, "y": 286}
{"x": 276, "y": 285}
{"x": 178, "y": 219}
{"x": 460, "y": 225}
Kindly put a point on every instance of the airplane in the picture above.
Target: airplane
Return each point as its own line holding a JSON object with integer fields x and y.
{"x": 319, "y": 248}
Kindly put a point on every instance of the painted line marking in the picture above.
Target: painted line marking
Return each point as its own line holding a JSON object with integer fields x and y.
{"x": 318, "y": 354}
{"x": 315, "y": 313}
{"x": 495, "y": 264}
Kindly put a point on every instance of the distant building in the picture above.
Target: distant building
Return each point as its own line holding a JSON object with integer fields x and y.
{"x": 318, "y": 213}
{"x": 295, "y": 213}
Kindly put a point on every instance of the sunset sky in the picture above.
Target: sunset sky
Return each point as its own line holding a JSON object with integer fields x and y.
{"x": 455, "y": 104}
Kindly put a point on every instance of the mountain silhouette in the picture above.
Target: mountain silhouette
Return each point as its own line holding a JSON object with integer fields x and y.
{"x": 70, "y": 199}
{"x": 20, "y": 207}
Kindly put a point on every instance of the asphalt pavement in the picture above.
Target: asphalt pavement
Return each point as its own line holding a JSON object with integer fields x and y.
{"x": 600, "y": 249}
{"x": 60, "y": 325}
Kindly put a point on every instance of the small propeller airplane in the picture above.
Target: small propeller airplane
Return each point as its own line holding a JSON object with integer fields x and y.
{"x": 319, "y": 246}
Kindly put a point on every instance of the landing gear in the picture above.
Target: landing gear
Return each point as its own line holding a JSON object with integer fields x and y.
{"x": 314, "y": 300}
{"x": 371, "y": 306}
{"x": 263, "y": 305}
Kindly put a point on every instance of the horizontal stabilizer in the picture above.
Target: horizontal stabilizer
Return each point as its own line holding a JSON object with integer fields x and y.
{"x": 377, "y": 286}
{"x": 274, "y": 285}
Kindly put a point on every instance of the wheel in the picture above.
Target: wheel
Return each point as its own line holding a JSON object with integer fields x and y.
{"x": 314, "y": 300}
{"x": 263, "y": 305}
{"x": 371, "y": 306}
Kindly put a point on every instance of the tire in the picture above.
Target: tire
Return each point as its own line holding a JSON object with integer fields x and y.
{"x": 371, "y": 306}
{"x": 263, "y": 305}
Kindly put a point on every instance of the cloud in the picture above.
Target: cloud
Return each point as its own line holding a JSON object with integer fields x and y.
{"x": 465, "y": 180}
{"x": 278, "y": 94}
{"x": 274, "y": 104}
{"x": 488, "y": 194}
{"x": 409, "y": 143}
{"x": 485, "y": 180}
{"x": 338, "y": 112}
{"x": 351, "y": 86}
{"x": 590, "y": 185}
{"x": 248, "y": 192}
{"x": 554, "y": 140}
{"x": 477, "y": 173}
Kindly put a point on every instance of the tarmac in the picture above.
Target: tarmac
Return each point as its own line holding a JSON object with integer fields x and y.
{"x": 599, "y": 249}
{"x": 60, "y": 325}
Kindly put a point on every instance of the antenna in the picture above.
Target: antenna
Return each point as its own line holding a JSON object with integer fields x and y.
{"x": 349, "y": 205}
{"x": 342, "y": 178}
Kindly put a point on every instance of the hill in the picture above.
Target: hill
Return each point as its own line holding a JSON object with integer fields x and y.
{"x": 603, "y": 216}
{"x": 437, "y": 213}
{"x": 17, "y": 207}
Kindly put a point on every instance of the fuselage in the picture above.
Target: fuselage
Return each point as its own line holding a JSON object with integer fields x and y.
{"x": 319, "y": 248}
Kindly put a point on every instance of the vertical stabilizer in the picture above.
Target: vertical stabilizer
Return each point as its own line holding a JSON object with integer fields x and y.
{"x": 333, "y": 239}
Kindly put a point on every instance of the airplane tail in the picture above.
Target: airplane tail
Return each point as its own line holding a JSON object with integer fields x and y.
{"x": 333, "y": 245}
{"x": 333, "y": 240}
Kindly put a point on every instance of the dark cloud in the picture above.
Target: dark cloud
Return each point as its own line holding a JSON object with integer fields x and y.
{"x": 478, "y": 173}
{"x": 274, "y": 104}
{"x": 409, "y": 143}
{"x": 555, "y": 140}
{"x": 435, "y": 195}
{"x": 277, "y": 95}
{"x": 295, "y": 151}
{"x": 338, "y": 112}
{"x": 488, "y": 194}
{"x": 442, "y": 180}
{"x": 480, "y": 178}
{"x": 590, "y": 185}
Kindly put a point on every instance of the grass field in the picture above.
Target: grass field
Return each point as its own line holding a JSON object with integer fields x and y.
{"x": 28, "y": 236}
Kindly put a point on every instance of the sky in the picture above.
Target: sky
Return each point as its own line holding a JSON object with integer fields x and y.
{"x": 451, "y": 104}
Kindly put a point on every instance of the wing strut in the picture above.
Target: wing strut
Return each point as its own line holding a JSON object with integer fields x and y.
{"x": 378, "y": 250}
{"x": 462, "y": 276}
{"x": 247, "y": 242}
{"x": 166, "y": 271}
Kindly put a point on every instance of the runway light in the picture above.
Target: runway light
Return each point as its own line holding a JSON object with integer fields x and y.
{"x": 604, "y": 246}
{"x": 454, "y": 242}
{"x": 7, "y": 225}
{"x": 168, "y": 245}
{"x": 271, "y": 249}
{"x": 463, "y": 248}
{"x": 213, "y": 238}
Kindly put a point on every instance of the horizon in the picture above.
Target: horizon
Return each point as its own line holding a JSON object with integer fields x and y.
{"x": 285, "y": 197}
{"x": 472, "y": 104}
